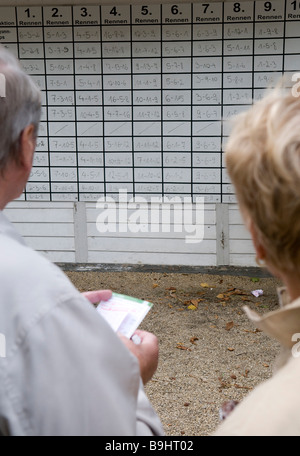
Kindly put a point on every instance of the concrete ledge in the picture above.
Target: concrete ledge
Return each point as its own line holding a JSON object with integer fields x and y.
{"x": 219, "y": 270}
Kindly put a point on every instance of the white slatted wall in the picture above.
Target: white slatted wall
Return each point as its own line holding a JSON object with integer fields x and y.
{"x": 67, "y": 233}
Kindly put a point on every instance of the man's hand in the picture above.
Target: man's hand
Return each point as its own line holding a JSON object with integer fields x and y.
{"x": 146, "y": 352}
{"x": 96, "y": 296}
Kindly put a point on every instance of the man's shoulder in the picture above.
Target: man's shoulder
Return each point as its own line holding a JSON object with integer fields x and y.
{"x": 21, "y": 263}
{"x": 29, "y": 284}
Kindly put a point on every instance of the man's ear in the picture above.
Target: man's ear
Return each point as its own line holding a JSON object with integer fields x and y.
{"x": 27, "y": 147}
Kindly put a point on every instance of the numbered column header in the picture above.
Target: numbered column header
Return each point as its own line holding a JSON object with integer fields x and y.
{"x": 48, "y": 16}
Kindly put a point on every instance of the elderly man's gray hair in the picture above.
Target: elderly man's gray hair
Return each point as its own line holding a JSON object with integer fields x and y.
{"x": 20, "y": 106}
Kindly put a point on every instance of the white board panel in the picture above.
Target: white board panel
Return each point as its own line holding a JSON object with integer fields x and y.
{"x": 235, "y": 217}
{"x": 157, "y": 259}
{"x": 62, "y": 244}
{"x": 134, "y": 95}
{"x": 59, "y": 256}
{"x": 50, "y": 229}
{"x": 44, "y": 215}
{"x": 241, "y": 247}
{"x": 45, "y": 229}
{"x": 151, "y": 245}
{"x": 243, "y": 260}
{"x": 239, "y": 232}
{"x": 156, "y": 232}
{"x": 160, "y": 215}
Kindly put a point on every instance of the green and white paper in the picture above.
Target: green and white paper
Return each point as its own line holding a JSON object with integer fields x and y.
{"x": 124, "y": 313}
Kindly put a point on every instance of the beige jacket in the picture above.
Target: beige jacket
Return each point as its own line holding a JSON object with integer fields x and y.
{"x": 273, "y": 408}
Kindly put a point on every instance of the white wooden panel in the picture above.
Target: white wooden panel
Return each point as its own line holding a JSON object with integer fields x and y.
{"x": 45, "y": 229}
{"x": 152, "y": 216}
{"x": 51, "y": 243}
{"x": 59, "y": 257}
{"x": 45, "y": 215}
{"x": 241, "y": 247}
{"x": 49, "y": 228}
{"x": 242, "y": 252}
{"x": 155, "y": 259}
{"x": 157, "y": 247}
{"x": 235, "y": 217}
{"x": 239, "y": 232}
{"x": 209, "y": 233}
{"x": 39, "y": 205}
{"x": 243, "y": 260}
{"x": 150, "y": 245}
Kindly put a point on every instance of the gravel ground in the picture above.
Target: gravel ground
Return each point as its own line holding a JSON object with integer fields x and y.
{"x": 209, "y": 351}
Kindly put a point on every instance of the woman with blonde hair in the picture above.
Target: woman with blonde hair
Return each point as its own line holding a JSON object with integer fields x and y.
{"x": 263, "y": 161}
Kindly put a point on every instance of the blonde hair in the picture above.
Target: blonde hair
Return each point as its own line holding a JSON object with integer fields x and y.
{"x": 263, "y": 161}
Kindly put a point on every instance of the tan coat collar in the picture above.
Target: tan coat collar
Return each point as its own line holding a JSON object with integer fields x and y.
{"x": 281, "y": 324}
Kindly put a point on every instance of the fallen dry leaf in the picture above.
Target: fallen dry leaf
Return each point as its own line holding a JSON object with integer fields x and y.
{"x": 193, "y": 340}
{"x": 229, "y": 325}
{"x": 243, "y": 387}
{"x": 224, "y": 384}
{"x": 182, "y": 347}
{"x": 205, "y": 285}
{"x": 230, "y": 349}
{"x": 253, "y": 332}
{"x": 155, "y": 285}
{"x": 192, "y": 307}
{"x": 223, "y": 297}
{"x": 237, "y": 292}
